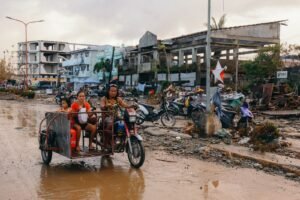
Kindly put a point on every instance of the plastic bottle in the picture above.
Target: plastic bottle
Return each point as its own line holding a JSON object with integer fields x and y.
{"x": 73, "y": 138}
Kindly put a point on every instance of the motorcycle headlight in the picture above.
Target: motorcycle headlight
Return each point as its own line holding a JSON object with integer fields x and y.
{"x": 132, "y": 118}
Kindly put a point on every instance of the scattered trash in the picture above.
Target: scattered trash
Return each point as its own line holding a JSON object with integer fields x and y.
{"x": 244, "y": 140}
{"x": 258, "y": 166}
{"x": 189, "y": 128}
{"x": 224, "y": 135}
{"x": 290, "y": 175}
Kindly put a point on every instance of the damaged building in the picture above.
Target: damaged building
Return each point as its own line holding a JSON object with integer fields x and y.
{"x": 182, "y": 59}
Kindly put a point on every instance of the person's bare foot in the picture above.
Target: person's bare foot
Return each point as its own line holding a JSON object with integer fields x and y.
{"x": 78, "y": 149}
{"x": 91, "y": 147}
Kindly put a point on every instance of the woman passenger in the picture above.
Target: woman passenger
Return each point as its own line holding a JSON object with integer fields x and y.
{"x": 77, "y": 107}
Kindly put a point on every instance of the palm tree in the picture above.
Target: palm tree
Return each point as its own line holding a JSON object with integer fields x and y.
{"x": 5, "y": 73}
{"x": 162, "y": 47}
{"x": 102, "y": 66}
{"x": 215, "y": 26}
{"x": 220, "y": 24}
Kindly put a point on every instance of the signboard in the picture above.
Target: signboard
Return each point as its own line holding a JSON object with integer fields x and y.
{"x": 282, "y": 74}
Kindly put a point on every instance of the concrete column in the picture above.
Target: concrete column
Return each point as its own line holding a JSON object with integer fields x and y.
{"x": 180, "y": 58}
{"x": 169, "y": 59}
{"x": 139, "y": 62}
{"x": 236, "y": 60}
{"x": 155, "y": 55}
{"x": 156, "y": 62}
{"x": 194, "y": 55}
{"x": 227, "y": 54}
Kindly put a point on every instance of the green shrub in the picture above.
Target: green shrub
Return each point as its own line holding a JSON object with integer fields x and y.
{"x": 29, "y": 94}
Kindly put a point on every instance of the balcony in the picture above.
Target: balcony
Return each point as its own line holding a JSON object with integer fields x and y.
{"x": 144, "y": 67}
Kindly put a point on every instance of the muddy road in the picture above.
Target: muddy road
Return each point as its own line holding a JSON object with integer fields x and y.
{"x": 163, "y": 176}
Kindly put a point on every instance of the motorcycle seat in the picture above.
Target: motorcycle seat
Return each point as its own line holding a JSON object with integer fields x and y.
{"x": 147, "y": 106}
{"x": 179, "y": 104}
{"x": 228, "y": 111}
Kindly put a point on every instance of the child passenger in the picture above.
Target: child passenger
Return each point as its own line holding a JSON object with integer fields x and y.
{"x": 65, "y": 106}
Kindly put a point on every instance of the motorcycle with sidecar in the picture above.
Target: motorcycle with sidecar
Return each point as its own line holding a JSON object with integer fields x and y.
{"x": 55, "y": 135}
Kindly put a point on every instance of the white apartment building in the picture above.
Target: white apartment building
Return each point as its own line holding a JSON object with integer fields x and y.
{"x": 80, "y": 65}
{"x": 44, "y": 59}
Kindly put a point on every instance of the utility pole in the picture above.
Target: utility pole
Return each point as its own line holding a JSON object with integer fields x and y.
{"x": 208, "y": 56}
{"x": 111, "y": 64}
{"x": 26, "y": 46}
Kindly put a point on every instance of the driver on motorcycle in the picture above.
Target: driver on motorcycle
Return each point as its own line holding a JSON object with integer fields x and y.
{"x": 111, "y": 102}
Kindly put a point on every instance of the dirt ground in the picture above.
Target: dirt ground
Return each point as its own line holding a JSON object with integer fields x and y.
{"x": 163, "y": 176}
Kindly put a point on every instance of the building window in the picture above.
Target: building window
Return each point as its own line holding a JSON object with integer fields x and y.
{"x": 87, "y": 67}
{"x": 86, "y": 54}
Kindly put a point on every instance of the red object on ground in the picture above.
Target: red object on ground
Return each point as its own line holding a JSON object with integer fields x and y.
{"x": 151, "y": 92}
{"x": 73, "y": 138}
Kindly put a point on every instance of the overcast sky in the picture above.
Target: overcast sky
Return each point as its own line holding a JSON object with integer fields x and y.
{"x": 119, "y": 22}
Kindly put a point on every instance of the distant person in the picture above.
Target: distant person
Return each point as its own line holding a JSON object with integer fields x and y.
{"x": 170, "y": 91}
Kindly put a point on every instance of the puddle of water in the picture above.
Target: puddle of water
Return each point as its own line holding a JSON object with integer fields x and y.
{"x": 82, "y": 181}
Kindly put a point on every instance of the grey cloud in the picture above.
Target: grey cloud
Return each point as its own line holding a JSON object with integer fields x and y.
{"x": 97, "y": 21}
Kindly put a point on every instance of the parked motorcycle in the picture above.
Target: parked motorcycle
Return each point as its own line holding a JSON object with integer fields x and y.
{"x": 147, "y": 112}
{"x": 225, "y": 114}
{"x": 62, "y": 95}
{"x": 186, "y": 105}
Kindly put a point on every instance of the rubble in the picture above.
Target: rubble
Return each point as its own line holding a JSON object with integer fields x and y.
{"x": 265, "y": 137}
{"x": 276, "y": 98}
{"x": 244, "y": 140}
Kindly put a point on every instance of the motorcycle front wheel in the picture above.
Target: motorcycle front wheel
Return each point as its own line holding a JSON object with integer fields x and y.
{"x": 137, "y": 156}
{"x": 168, "y": 119}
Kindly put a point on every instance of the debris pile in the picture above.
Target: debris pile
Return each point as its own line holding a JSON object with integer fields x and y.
{"x": 266, "y": 137}
{"x": 284, "y": 102}
{"x": 189, "y": 128}
{"x": 276, "y": 98}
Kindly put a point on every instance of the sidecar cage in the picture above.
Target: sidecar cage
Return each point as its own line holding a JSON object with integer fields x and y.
{"x": 59, "y": 124}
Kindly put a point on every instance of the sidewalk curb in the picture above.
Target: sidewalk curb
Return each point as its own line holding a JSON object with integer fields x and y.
{"x": 293, "y": 168}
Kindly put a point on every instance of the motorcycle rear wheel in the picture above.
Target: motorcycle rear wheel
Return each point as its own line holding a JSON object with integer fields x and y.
{"x": 46, "y": 155}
